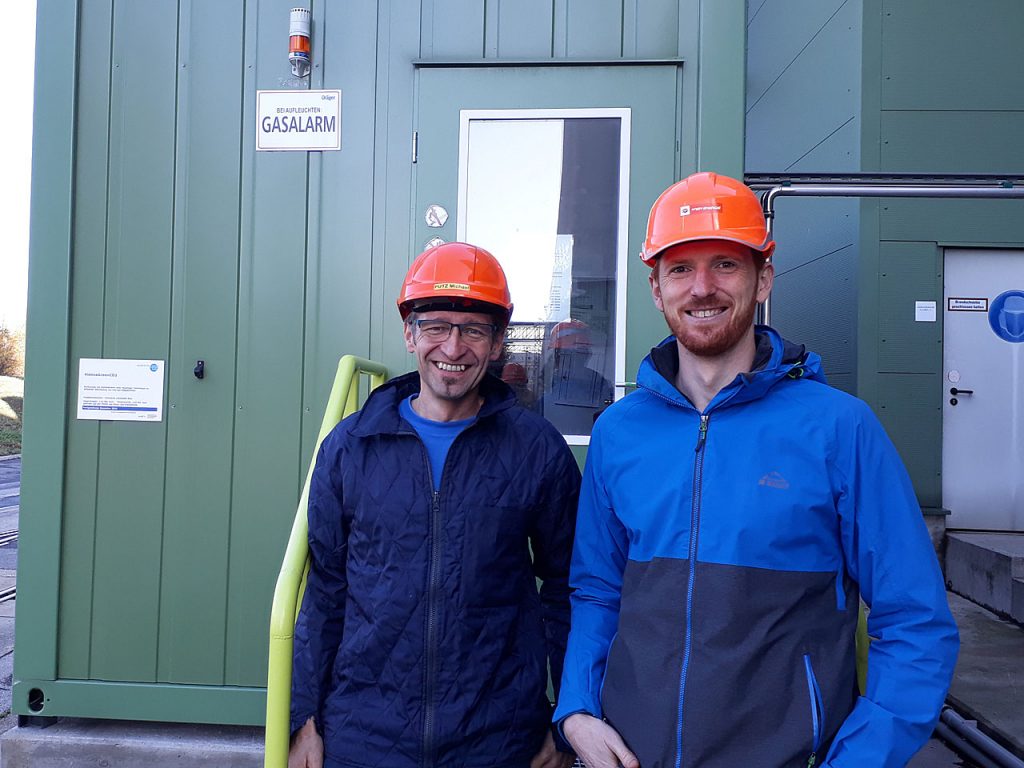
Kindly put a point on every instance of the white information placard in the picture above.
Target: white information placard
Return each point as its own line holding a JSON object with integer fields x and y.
{"x": 120, "y": 390}
{"x": 924, "y": 311}
{"x": 298, "y": 121}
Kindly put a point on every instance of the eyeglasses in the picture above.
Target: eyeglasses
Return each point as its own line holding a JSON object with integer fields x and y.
{"x": 440, "y": 330}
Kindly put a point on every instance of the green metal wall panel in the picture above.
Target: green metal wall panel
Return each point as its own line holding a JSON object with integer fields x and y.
{"x": 340, "y": 263}
{"x": 146, "y": 701}
{"x": 720, "y": 104}
{"x": 591, "y": 28}
{"x": 88, "y": 279}
{"x": 953, "y": 221}
{"x": 650, "y": 28}
{"x": 46, "y": 365}
{"x": 951, "y": 55}
{"x": 779, "y": 32}
{"x": 268, "y": 389}
{"x": 520, "y": 29}
{"x": 814, "y": 297}
{"x": 908, "y": 272}
{"x": 194, "y": 558}
{"x": 803, "y": 102}
{"x": 910, "y": 408}
{"x": 451, "y": 29}
{"x": 803, "y": 89}
{"x": 136, "y": 313}
{"x": 393, "y": 248}
{"x": 958, "y": 141}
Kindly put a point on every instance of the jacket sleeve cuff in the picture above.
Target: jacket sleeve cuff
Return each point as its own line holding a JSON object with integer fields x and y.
{"x": 561, "y": 743}
{"x": 297, "y": 723}
{"x": 558, "y": 734}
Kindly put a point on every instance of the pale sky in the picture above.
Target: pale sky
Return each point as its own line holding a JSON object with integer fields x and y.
{"x": 17, "y": 40}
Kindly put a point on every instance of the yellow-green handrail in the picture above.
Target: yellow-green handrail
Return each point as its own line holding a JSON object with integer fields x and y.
{"x": 291, "y": 581}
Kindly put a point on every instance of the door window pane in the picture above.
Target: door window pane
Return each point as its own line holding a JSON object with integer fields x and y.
{"x": 544, "y": 194}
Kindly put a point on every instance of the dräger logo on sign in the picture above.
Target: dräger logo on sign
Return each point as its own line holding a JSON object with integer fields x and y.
{"x": 686, "y": 210}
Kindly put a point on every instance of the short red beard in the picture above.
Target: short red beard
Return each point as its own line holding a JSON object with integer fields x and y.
{"x": 714, "y": 342}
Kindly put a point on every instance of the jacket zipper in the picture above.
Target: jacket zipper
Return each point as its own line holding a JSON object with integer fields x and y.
{"x": 817, "y": 711}
{"x": 433, "y": 590}
{"x": 698, "y": 474}
{"x": 433, "y": 586}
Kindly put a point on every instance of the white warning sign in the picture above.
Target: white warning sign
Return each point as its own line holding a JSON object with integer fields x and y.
{"x": 298, "y": 120}
{"x": 967, "y": 305}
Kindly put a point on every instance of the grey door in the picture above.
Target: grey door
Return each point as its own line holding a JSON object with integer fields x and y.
{"x": 983, "y": 389}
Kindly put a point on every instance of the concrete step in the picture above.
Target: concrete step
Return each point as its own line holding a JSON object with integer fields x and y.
{"x": 120, "y": 744}
{"x": 1017, "y": 601}
{"x": 988, "y": 568}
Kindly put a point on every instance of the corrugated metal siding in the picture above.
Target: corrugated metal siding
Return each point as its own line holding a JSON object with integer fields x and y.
{"x": 558, "y": 29}
{"x": 803, "y": 116}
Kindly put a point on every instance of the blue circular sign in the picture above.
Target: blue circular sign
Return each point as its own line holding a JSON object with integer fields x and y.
{"x": 153, "y": 366}
{"x": 1006, "y": 316}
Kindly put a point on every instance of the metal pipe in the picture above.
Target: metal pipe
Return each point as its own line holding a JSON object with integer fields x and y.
{"x": 970, "y": 733}
{"x": 963, "y": 747}
{"x": 936, "y": 189}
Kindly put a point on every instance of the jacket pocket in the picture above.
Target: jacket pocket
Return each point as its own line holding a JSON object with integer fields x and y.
{"x": 817, "y": 712}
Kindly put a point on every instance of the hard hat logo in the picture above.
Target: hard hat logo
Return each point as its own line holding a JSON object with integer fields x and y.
{"x": 706, "y": 206}
{"x": 686, "y": 210}
{"x": 462, "y": 277}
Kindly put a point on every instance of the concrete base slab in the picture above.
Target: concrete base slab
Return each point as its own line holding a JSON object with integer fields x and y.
{"x": 937, "y": 531}
{"x": 1017, "y": 600}
{"x": 120, "y": 744}
{"x": 983, "y": 566}
{"x": 988, "y": 685}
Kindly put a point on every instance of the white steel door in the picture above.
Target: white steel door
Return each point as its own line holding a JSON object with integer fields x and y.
{"x": 983, "y": 389}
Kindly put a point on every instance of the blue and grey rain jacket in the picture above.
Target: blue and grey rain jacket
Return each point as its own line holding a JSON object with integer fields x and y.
{"x": 422, "y": 639}
{"x": 717, "y": 564}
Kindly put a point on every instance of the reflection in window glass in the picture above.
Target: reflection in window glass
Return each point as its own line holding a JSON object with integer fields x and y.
{"x": 543, "y": 196}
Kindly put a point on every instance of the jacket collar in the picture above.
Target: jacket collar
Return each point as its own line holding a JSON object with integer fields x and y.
{"x": 774, "y": 359}
{"x": 379, "y": 414}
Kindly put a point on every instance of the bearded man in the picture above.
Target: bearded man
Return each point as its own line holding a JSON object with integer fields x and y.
{"x": 734, "y": 510}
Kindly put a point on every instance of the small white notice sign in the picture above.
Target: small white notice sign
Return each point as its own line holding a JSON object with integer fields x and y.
{"x": 924, "y": 311}
{"x": 300, "y": 121}
{"x": 121, "y": 390}
{"x": 967, "y": 305}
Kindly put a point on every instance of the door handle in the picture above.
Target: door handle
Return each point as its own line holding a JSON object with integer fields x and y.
{"x": 954, "y": 391}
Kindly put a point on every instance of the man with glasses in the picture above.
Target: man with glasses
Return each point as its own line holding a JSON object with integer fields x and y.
{"x": 423, "y": 639}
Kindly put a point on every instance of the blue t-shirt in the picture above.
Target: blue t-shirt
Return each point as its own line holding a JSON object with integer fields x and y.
{"x": 437, "y": 436}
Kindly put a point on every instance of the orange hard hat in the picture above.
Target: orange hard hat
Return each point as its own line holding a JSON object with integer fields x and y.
{"x": 513, "y": 373}
{"x": 706, "y": 206}
{"x": 570, "y": 334}
{"x": 458, "y": 277}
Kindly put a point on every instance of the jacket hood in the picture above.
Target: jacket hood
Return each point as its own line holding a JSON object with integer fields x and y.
{"x": 775, "y": 359}
{"x": 380, "y": 415}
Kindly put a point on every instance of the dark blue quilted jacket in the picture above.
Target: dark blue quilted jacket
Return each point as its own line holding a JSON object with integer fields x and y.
{"x": 422, "y": 639}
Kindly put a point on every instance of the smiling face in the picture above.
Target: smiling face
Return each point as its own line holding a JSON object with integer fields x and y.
{"x": 708, "y": 291}
{"x": 451, "y": 369}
